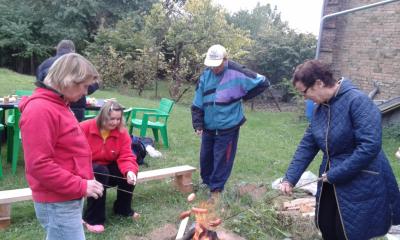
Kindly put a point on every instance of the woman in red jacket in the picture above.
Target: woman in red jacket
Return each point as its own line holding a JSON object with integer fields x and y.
{"x": 58, "y": 163}
{"x": 114, "y": 164}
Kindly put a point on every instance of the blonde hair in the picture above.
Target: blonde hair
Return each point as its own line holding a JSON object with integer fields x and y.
{"x": 105, "y": 113}
{"x": 69, "y": 69}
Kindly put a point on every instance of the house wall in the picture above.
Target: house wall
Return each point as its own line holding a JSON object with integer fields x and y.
{"x": 365, "y": 45}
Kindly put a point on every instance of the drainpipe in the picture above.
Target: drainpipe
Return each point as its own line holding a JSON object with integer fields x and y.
{"x": 321, "y": 25}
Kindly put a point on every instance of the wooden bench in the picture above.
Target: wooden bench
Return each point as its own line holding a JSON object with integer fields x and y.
{"x": 182, "y": 181}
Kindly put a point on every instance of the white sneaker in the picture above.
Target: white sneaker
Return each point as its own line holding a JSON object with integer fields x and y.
{"x": 153, "y": 152}
{"x": 398, "y": 154}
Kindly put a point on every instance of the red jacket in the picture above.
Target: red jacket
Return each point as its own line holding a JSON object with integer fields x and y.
{"x": 56, "y": 152}
{"x": 117, "y": 147}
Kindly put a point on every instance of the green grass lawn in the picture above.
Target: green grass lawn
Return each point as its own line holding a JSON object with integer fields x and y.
{"x": 266, "y": 145}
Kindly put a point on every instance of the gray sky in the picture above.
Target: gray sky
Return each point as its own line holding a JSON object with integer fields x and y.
{"x": 302, "y": 15}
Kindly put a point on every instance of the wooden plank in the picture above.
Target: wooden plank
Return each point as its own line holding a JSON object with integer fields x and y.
{"x": 389, "y": 105}
{"x": 182, "y": 228}
{"x": 164, "y": 172}
{"x": 15, "y": 195}
{"x": 23, "y": 194}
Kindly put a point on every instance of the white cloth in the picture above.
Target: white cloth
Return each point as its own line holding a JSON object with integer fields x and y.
{"x": 306, "y": 177}
{"x": 153, "y": 152}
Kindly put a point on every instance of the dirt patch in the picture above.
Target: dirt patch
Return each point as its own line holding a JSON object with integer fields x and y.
{"x": 256, "y": 192}
{"x": 169, "y": 231}
{"x": 166, "y": 232}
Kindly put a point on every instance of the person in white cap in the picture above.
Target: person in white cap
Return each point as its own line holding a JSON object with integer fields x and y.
{"x": 217, "y": 114}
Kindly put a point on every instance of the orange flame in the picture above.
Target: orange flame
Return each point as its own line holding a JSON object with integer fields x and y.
{"x": 205, "y": 222}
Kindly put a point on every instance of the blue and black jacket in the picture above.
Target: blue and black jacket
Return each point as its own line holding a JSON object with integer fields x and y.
{"x": 44, "y": 68}
{"x": 217, "y": 104}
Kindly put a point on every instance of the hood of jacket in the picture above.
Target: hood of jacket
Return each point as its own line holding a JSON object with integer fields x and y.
{"x": 42, "y": 93}
{"x": 345, "y": 86}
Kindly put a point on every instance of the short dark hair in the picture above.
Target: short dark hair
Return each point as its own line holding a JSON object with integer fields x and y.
{"x": 65, "y": 46}
{"x": 312, "y": 70}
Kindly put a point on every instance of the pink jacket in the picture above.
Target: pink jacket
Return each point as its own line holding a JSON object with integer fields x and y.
{"x": 117, "y": 147}
{"x": 56, "y": 152}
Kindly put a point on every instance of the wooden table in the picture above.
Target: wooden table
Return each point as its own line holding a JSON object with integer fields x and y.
{"x": 100, "y": 102}
{"x": 9, "y": 105}
{"x": 12, "y": 105}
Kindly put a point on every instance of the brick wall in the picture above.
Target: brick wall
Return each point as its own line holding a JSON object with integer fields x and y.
{"x": 364, "y": 45}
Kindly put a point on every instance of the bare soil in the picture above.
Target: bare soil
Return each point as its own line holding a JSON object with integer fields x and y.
{"x": 169, "y": 231}
{"x": 256, "y": 192}
{"x": 166, "y": 232}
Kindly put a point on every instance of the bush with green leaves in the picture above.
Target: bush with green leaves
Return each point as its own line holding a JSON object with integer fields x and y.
{"x": 111, "y": 67}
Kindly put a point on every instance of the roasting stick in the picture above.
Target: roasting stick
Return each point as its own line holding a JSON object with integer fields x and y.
{"x": 269, "y": 200}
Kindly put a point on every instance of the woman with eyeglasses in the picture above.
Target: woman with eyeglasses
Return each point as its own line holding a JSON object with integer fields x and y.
{"x": 114, "y": 164}
{"x": 358, "y": 196}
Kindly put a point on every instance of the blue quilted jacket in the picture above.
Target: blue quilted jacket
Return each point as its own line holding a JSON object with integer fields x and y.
{"x": 348, "y": 131}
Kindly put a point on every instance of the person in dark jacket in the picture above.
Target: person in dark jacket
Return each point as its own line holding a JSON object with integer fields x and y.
{"x": 64, "y": 47}
{"x": 217, "y": 114}
{"x": 358, "y": 196}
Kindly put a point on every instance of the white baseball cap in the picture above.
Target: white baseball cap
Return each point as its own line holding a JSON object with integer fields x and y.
{"x": 215, "y": 56}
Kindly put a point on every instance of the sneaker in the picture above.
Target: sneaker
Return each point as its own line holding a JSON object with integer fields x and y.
{"x": 153, "y": 152}
{"x": 94, "y": 228}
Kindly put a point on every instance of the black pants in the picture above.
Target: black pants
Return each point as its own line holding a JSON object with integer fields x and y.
{"x": 329, "y": 220}
{"x": 96, "y": 208}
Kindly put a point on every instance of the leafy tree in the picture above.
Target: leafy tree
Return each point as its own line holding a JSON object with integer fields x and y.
{"x": 194, "y": 28}
{"x": 30, "y": 29}
{"x": 178, "y": 31}
{"x": 17, "y": 38}
{"x": 110, "y": 66}
{"x": 276, "y": 48}
{"x": 257, "y": 19}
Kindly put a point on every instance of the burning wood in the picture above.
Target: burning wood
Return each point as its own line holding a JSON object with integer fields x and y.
{"x": 202, "y": 233}
{"x": 206, "y": 221}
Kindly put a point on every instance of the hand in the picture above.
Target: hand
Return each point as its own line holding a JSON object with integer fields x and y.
{"x": 286, "y": 188}
{"x": 94, "y": 189}
{"x": 199, "y": 132}
{"x": 131, "y": 178}
{"x": 324, "y": 177}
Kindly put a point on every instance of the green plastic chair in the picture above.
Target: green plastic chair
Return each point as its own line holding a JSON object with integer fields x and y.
{"x": 21, "y": 93}
{"x": 127, "y": 115}
{"x": 13, "y": 132}
{"x": 155, "y": 119}
{"x": 13, "y": 139}
{"x": 89, "y": 114}
{"x": 1, "y": 132}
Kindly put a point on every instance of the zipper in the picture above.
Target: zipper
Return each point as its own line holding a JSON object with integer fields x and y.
{"x": 370, "y": 172}
{"x": 328, "y": 163}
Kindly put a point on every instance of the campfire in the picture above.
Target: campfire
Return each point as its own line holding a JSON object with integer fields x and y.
{"x": 206, "y": 221}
